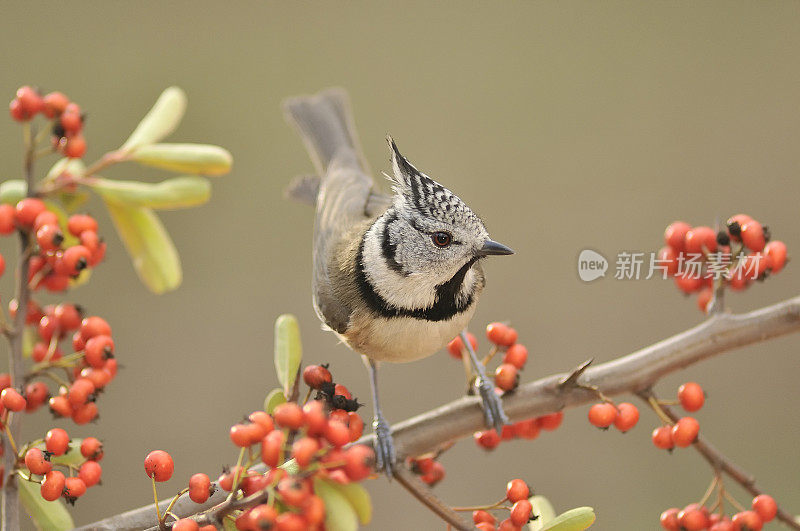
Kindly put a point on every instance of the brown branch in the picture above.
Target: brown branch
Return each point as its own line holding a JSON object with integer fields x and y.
{"x": 425, "y": 495}
{"x": 10, "y": 503}
{"x": 719, "y": 462}
{"x": 633, "y": 373}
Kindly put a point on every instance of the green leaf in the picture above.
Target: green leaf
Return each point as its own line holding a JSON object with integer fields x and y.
{"x": 149, "y": 246}
{"x": 179, "y": 192}
{"x": 46, "y": 515}
{"x": 204, "y": 159}
{"x": 273, "y": 400}
{"x": 29, "y": 339}
{"x": 291, "y": 467}
{"x": 576, "y": 519}
{"x": 162, "y": 119}
{"x": 71, "y": 166}
{"x": 229, "y": 524}
{"x": 543, "y": 509}
{"x": 73, "y": 456}
{"x": 339, "y": 513}
{"x": 288, "y": 351}
{"x": 359, "y": 500}
{"x": 12, "y": 191}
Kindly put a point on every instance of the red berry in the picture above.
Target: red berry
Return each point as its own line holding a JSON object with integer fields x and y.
{"x": 688, "y": 281}
{"x": 54, "y": 104}
{"x": 675, "y": 235}
{"x": 765, "y": 506}
{"x": 74, "y": 260}
{"x": 263, "y": 419}
{"x": 339, "y": 389}
{"x": 48, "y": 217}
{"x": 94, "y": 326}
{"x": 7, "y": 216}
{"x": 517, "y": 490}
{"x": 668, "y": 260}
{"x": 488, "y": 439}
{"x": 90, "y": 473}
{"x": 92, "y": 448}
{"x": 508, "y": 525}
{"x": 753, "y": 236}
{"x": 775, "y": 251}
{"x": 551, "y": 421}
{"x": 272, "y": 447}
{"x": 704, "y": 298}
{"x": 27, "y": 210}
{"x": 501, "y": 334}
{"x": 12, "y": 399}
{"x": 85, "y": 413}
{"x": 662, "y": 438}
{"x": 316, "y": 419}
{"x": 669, "y": 519}
{"x": 68, "y": 315}
{"x": 264, "y": 516}
{"x": 80, "y": 392}
{"x": 337, "y": 433}
{"x": 98, "y": 350}
{"x": 747, "y": 521}
{"x": 304, "y": 449}
{"x": 36, "y": 394}
{"x": 685, "y": 431}
{"x": 49, "y": 237}
{"x": 52, "y": 485}
{"x": 691, "y": 396}
{"x": 506, "y": 377}
{"x": 78, "y": 223}
{"x": 434, "y": 475}
{"x": 17, "y": 111}
{"x": 355, "y": 425}
{"x": 700, "y": 240}
{"x": 293, "y": 491}
{"x": 36, "y": 462}
{"x": 242, "y": 435}
{"x": 456, "y": 346}
{"x": 74, "y": 488}
{"x": 516, "y": 355}
{"x": 199, "y": 488}
{"x": 30, "y": 100}
{"x": 627, "y": 418}
{"x": 288, "y": 415}
{"x": 59, "y": 406}
{"x": 159, "y": 465}
{"x": 359, "y": 461}
{"x": 485, "y": 526}
{"x": 71, "y": 119}
{"x": 693, "y": 519}
{"x": 290, "y": 522}
{"x": 521, "y": 512}
{"x": 316, "y": 375}
{"x": 186, "y": 524}
{"x": 602, "y": 415}
{"x": 75, "y": 147}
{"x": 526, "y": 429}
{"x": 481, "y": 516}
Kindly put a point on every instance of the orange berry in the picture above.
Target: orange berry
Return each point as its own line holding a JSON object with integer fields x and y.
{"x": 304, "y": 449}
{"x": 90, "y": 473}
{"x": 603, "y": 414}
{"x": 54, "y": 104}
{"x": 669, "y": 519}
{"x": 765, "y": 506}
{"x": 12, "y": 400}
{"x": 662, "y": 438}
{"x": 7, "y": 215}
{"x": 506, "y": 377}
{"x": 74, "y": 488}
{"x": 668, "y": 259}
{"x": 75, "y": 147}
{"x": 517, "y": 490}
{"x": 159, "y": 465}
{"x": 500, "y": 334}
{"x": 359, "y": 461}
{"x": 627, "y": 418}
{"x": 71, "y": 119}
{"x": 199, "y": 488}
{"x": 526, "y": 429}
{"x": 434, "y": 475}
{"x": 456, "y": 346}
{"x": 775, "y": 251}
{"x": 700, "y": 240}
{"x": 551, "y": 421}
{"x": 753, "y": 236}
{"x": 481, "y": 516}
{"x": 92, "y": 448}
{"x": 747, "y": 521}
{"x": 688, "y": 282}
{"x": 186, "y": 524}
{"x": 685, "y": 431}
{"x": 691, "y": 396}
{"x": 36, "y": 462}
{"x": 693, "y": 519}
{"x": 488, "y": 439}
{"x": 704, "y": 298}
{"x": 52, "y": 485}
{"x": 78, "y": 223}
{"x": 521, "y": 512}
{"x": 27, "y": 210}
{"x": 288, "y": 415}
{"x": 516, "y": 355}
{"x": 675, "y": 235}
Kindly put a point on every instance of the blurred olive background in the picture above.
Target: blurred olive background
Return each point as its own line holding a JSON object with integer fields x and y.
{"x": 566, "y": 125}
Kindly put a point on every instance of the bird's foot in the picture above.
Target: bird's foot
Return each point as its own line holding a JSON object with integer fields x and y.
{"x": 493, "y": 413}
{"x": 384, "y": 446}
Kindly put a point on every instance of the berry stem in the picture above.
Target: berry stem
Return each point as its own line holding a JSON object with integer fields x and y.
{"x": 655, "y": 405}
{"x": 492, "y": 353}
{"x": 168, "y": 510}
{"x": 155, "y": 498}
{"x": 495, "y": 505}
{"x": 715, "y": 482}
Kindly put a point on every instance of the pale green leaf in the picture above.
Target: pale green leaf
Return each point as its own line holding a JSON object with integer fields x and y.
{"x": 46, "y": 515}
{"x": 29, "y": 339}
{"x": 273, "y": 400}
{"x": 151, "y": 249}
{"x": 12, "y": 191}
{"x": 291, "y": 467}
{"x": 359, "y": 500}
{"x": 576, "y": 519}
{"x": 203, "y": 159}
{"x": 65, "y": 165}
{"x": 543, "y": 509}
{"x": 339, "y": 513}
{"x": 162, "y": 119}
{"x": 228, "y": 524}
{"x": 288, "y": 351}
{"x": 178, "y": 192}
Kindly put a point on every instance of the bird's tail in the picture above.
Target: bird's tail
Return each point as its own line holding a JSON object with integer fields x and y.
{"x": 325, "y": 123}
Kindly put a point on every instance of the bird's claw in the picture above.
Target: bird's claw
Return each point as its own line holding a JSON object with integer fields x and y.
{"x": 384, "y": 447}
{"x": 493, "y": 413}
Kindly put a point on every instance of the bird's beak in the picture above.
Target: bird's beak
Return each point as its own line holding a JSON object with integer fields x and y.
{"x": 492, "y": 247}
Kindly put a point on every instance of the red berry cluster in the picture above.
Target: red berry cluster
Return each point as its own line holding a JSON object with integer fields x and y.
{"x": 699, "y": 257}
{"x": 684, "y": 432}
{"x": 520, "y": 510}
{"x": 66, "y": 117}
{"x": 696, "y": 517}
{"x": 38, "y": 458}
{"x": 503, "y": 339}
{"x": 315, "y": 435}
{"x": 524, "y": 429}
{"x": 57, "y": 258}
{"x": 623, "y": 416}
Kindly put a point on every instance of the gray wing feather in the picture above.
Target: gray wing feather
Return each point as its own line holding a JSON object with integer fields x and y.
{"x": 325, "y": 123}
{"x": 305, "y": 188}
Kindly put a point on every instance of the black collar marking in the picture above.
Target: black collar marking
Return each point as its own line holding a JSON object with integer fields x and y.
{"x": 446, "y": 304}
{"x": 389, "y": 249}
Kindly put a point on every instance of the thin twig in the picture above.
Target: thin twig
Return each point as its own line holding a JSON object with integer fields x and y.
{"x": 425, "y": 495}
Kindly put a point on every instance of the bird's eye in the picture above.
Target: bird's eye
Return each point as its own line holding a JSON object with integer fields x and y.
{"x": 442, "y": 239}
